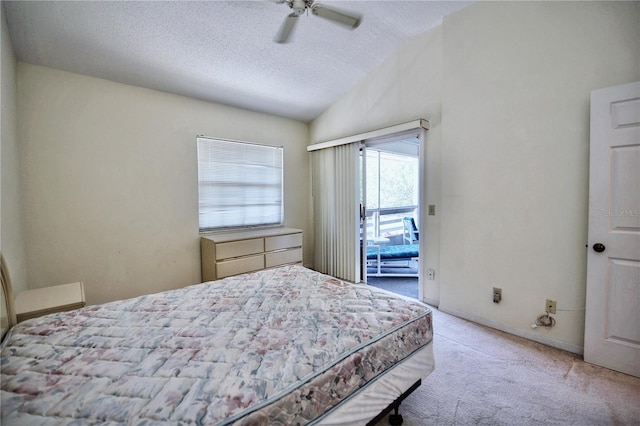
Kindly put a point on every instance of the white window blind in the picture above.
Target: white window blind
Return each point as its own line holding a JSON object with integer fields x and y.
{"x": 239, "y": 184}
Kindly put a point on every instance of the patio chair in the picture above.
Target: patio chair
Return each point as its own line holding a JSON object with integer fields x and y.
{"x": 410, "y": 233}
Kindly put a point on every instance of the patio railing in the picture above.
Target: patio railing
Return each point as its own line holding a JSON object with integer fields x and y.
{"x": 387, "y": 222}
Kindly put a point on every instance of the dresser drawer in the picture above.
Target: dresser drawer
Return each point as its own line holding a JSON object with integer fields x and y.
{"x": 282, "y": 242}
{"x": 239, "y": 266}
{"x": 239, "y": 248}
{"x": 233, "y": 253}
{"x": 283, "y": 257}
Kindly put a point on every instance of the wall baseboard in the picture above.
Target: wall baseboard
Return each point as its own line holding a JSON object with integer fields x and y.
{"x": 579, "y": 350}
{"x": 432, "y": 302}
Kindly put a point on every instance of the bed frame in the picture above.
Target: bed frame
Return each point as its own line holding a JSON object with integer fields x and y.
{"x": 394, "y": 418}
{"x": 379, "y": 254}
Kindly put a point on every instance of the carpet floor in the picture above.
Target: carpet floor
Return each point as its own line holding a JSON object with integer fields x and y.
{"x": 487, "y": 377}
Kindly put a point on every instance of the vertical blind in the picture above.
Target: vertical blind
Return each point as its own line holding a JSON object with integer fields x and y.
{"x": 335, "y": 201}
{"x": 239, "y": 184}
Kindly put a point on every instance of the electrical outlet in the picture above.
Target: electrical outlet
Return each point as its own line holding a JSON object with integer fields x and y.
{"x": 497, "y": 295}
{"x": 432, "y": 209}
{"x": 550, "y": 306}
{"x": 431, "y": 274}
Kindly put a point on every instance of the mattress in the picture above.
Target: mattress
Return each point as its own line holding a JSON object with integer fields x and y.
{"x": 379, "y": 394}
{"x": 285, "y": 345}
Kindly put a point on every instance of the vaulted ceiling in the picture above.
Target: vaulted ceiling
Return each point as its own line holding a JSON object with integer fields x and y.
{"x": 220, "y": 51}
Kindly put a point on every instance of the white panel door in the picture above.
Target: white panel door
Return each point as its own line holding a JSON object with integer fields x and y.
{"x": 612, "y": 320}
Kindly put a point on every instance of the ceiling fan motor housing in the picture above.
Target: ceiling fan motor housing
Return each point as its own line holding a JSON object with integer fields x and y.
{"x": 299, "y": 6}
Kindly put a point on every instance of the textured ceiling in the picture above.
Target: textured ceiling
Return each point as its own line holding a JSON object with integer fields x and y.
{"x": 220, "y": 51}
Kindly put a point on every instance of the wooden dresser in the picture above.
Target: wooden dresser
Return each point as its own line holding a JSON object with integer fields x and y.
{"x": 235, "y": 253}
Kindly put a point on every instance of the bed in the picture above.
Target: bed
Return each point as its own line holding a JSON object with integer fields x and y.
{"x": 381, "y": 255}
{"x": 279, "y": 346}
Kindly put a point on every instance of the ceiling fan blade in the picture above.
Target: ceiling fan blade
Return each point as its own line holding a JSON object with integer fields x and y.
{"x": 348, "y": 20}
{"x": 285, "y": 29}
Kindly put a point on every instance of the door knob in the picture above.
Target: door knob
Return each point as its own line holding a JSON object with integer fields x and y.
{"x": 598, "y": 247}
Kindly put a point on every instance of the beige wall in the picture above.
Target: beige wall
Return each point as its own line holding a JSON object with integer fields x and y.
{"x": 110, "y": 186}
{"x": 514, "y": 137}
{"x": 11, "y": 212}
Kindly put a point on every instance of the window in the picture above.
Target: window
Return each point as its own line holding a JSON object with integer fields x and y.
{"x": 392, "y": 186}
{"x": 392, "y": 179}
{"x": 239, "y": 184}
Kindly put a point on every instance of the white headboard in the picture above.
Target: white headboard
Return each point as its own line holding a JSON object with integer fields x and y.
{"x": 7, "y": 309}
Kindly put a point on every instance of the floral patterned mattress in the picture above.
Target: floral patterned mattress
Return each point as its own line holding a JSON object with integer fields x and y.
{"x": 280, "y": 346}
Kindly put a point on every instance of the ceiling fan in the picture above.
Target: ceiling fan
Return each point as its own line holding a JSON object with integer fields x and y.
{"x": 299, "y": 7}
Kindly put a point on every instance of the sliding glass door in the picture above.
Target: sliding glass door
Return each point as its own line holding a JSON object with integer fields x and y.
{"x": 389, "y": 192}
{"x": 363, "y": 187}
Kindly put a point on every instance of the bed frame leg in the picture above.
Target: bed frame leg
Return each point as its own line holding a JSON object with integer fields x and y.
{"x": 395, "y": 418}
